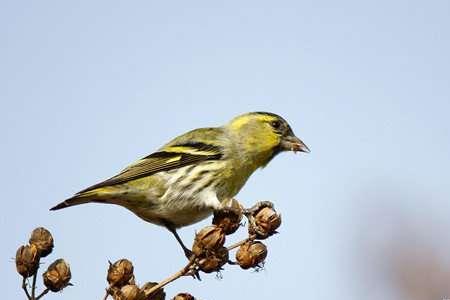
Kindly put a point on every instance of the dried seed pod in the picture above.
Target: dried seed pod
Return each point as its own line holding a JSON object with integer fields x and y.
{"x": 120, "y": 273}
{"x": 267, "y": 220}
{"x": 210, "y": 238}
{"x": 57, "y": 275}
{"x": 43, "y": 240}
{"x": 157, "y": 295}
{"x": 129, "y": 292}
{"x": 215, "y": 261}
{"x": 229, "y": 218}
{"x": 27, "y": 260}
{"x": 251, "y": 254}
{"x": 184, "y": 296}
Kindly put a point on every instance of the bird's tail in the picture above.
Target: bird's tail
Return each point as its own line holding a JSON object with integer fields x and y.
{"x": 78, "y": 199}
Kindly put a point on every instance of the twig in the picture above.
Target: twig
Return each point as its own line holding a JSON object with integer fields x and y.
{"x": 174, "y": 277}
{"x": 42, "y": 294}
{"x": 250, "y": 238}
{"x": 24, "y": 287}
{"x": 106, "y": 294}
{"x": 33, "y": 286}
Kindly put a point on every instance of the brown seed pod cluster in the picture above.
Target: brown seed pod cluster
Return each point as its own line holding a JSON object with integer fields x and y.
{"x": 28, "y": 257}
{"x": 209, "y": 254}
{"x": 263, "y": 223}
{"x": 122, "y": 284}
{"x": 208, "y": 248}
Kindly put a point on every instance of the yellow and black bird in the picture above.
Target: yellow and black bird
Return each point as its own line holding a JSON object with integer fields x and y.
{"x": 195, "y": 173}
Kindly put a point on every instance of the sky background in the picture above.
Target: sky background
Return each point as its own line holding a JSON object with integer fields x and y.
{"x": 87, "y": 87}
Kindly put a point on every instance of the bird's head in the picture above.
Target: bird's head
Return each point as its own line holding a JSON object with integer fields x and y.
{"x": 265, "y": 134}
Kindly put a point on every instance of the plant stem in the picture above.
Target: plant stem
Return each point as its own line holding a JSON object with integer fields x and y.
{"x": 174, "y": 277}
{"x": 250, "y": 238}
{"x": 106, "y": 294}
{"x": 24, "y": 287}
{"x": 42, "y": 294}
{"x": 33, "y": 286}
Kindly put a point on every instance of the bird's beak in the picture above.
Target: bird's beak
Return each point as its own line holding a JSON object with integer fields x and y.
{"x": 293, "y": 143}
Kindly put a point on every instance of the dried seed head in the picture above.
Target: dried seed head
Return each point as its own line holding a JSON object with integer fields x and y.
{"x": 120, "y": 273}
{"x": 129, "y": 292}
{"x": 158, "y": 295}
{"x": 251, "y": 254}
{"x": 27, "y": 260}
{"x": 266, "y": 221}
{"x": 184, "y": 296}
{"x": 229, "y": 218}
{"x": 210, "y": 238}
{"x": 43, "y": 240}
{"x": 215, "y": 261}
{"x": 57, "y": 275}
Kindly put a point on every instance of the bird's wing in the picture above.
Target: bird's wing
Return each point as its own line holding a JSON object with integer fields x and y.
{"x": 172, "y": 156}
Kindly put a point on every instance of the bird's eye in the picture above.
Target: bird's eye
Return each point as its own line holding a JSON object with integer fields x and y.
{"x": 275, "y": 124}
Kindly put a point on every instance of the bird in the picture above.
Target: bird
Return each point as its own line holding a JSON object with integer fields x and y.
{"x": 196, "y": 173}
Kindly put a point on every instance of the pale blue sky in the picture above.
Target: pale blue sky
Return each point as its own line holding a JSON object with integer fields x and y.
{"x": 89, "y": 86}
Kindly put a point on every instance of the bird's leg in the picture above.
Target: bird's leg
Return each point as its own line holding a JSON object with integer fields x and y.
{"x": 187, "y": 252}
